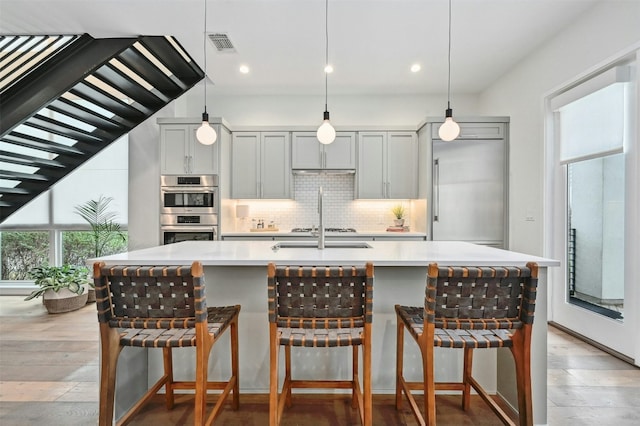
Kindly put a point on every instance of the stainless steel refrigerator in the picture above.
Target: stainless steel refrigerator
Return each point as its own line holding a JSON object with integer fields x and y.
{"x": 469, "y": 191}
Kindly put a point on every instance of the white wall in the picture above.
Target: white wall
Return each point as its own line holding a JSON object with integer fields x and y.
{"x": 307, "y": 110}
{"x": 605, "y": 30}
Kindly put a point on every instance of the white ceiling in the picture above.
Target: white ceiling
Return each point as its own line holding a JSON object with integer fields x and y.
{"x": 372, "y": 43}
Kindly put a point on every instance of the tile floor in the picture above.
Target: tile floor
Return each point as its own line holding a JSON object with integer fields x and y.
{"x": 49, "y": 374}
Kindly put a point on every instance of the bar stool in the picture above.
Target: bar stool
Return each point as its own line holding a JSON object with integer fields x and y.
{"x": 470, "y": 308}
{"x": 161, "y": 307}
{"x": 320, "y": 307}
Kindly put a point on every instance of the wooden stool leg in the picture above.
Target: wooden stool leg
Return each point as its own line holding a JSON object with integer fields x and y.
{"x": 466, "y": 376}
{"x": 521, "y": 351}
{"x": 202, "y": 371}
{"x": 429, "y": 385}
{"x": 355, "y": 367}
{"x": 167, "y": 360}
{"x": 273, "y": 376}
{"x": 110, "y": 349}
{"x": 287, "y": 375}
{"x": 399, "y": 360}
{"x": 235, "y": 364}
{"x": 366, "y": 372}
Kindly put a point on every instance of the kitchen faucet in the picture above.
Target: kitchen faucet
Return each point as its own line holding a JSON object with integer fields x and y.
{"x": 321, "y": 230}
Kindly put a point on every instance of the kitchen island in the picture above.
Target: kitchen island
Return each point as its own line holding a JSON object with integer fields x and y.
{"x": 235, "y": 273}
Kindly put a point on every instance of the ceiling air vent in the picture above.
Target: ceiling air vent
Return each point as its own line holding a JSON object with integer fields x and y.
{"x": 222, "y": 42}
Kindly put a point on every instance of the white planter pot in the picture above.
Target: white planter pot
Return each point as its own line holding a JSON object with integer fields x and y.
{"x": 63, "y": 300}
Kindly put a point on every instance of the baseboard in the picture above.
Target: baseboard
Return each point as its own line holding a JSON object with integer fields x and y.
{"x": 600, "y": 346}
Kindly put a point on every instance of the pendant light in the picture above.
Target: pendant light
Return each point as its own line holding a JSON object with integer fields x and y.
{"x": 205, "y": 134}
{"x": 326, "y": 133}
{"x": 449, "y": 130}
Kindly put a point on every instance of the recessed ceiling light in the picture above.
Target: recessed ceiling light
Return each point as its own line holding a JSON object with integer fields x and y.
{"x": 244, "y": 69}
{"x": 328, "y": 69}
{"x": 415, "y": 67}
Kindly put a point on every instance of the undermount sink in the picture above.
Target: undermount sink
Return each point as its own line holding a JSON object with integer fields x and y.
{"x": 327, "y": 244}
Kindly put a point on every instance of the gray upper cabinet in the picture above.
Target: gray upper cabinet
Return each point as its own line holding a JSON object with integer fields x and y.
{"x": 387, "y": 165}
{"x": 260, "y": 165}
{"x": 474, "y": 131}
{"x": 181, "y": 153}
{"x": 309, "y": 154}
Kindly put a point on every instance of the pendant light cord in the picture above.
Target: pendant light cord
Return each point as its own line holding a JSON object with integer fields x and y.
{"x": 326, "y": 51}
{"x": 449, "y": 62}
{"x": 204, "y": 51}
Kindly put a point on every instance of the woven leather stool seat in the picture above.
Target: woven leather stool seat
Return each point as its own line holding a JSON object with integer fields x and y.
{"x": 218, "y": 319}
{"x": 321, "y": 338}
{"x": 162, "y": 307}
{"x": 413, "y": 318}
{"x": 470, "y": 308}
{"x": 320, "y": 307}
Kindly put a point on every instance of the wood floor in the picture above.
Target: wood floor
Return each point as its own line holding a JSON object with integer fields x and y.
{"x": 49, "y": 374}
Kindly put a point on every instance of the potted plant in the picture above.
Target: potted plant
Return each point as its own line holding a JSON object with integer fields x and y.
{"x": 398, "y": 211}
{"x": 105, "y": 230}
{"x": 62, "y": 287}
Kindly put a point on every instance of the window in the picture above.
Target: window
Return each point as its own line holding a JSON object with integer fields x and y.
{"x": 592, "y": 122}
{"x": 49, "y": 230}
{"x": 20, "y": 251}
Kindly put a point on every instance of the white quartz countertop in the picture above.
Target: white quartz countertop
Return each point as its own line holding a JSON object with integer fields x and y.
{"x": 341, "y": 235}
{"x": 381, "y": 253}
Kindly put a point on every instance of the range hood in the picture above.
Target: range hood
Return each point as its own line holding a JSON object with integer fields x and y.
{"x": 323, "y": 171}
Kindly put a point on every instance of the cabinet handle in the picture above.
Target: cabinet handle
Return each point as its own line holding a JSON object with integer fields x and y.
{"x": 190, "y": 164}
{"x": 436, "y": 189}
{"x": 185, "y": 167}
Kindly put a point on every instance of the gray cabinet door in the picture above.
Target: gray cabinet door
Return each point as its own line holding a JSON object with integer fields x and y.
{"x": 203, "y": 158}
{"x": 341, "y": 154}
{"x": 309, "y": 154}
{"x": 371, "y": 162}
{"x": 387, "y": 165}
{"x": 402, "y": 165}
{"x": 245, "y": 165}
{"x": 275, "y": 179}
{"x": 174, "y": 151}
{"x": 181, "y": 153}
{"x": 306, "y": 151}
{"x": 469, "y": 191}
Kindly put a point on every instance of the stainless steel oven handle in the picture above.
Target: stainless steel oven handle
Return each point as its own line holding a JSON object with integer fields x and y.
{"x": 188, "y": 228}
{"x": 187, "y": 189}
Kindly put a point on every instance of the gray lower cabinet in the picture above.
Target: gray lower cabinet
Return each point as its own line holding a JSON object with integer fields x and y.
{"x": 387, "y": 165}
{"x": 260, "y": 165}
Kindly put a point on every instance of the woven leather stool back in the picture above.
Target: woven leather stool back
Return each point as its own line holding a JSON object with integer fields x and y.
{"x": 327, "y": 297}
{"x": 150, "y": 297}
{"x": 480, "y": 298}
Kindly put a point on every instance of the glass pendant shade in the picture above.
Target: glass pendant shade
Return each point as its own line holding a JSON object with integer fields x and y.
{"x": 326, "y": 133}
{"x": 206, "y": 134}
{"x": 449, "y": 130}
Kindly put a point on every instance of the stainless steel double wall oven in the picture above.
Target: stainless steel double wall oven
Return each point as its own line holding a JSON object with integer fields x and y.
{"x": 189, "y": 208}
